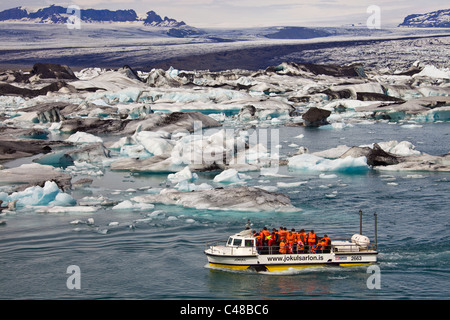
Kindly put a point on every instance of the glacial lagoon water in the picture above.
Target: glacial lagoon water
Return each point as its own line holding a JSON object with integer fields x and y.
{"x": 158, "y": 254}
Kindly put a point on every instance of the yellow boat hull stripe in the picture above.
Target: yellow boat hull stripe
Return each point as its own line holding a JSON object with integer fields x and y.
{"x": 282, "y": 267}
{"x": 228, "y": 266}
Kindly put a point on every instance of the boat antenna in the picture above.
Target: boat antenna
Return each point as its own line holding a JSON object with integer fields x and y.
{"x": 375, "y": 215}
{"x": 360, "y": 221}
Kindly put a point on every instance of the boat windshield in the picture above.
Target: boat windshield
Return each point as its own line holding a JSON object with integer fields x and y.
{"x": 238, "y": 242}
{"x": 249, "y": 243}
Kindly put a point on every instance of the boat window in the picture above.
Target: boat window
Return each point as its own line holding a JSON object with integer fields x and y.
{"x": 230, "y": 241}
{"x": 249, "y": 243}
{"x": 237, "y": 242}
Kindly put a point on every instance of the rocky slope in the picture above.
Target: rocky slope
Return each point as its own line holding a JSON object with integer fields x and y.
{"x": 435, "y": 19}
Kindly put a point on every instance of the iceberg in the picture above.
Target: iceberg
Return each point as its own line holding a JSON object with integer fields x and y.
{"x": 83, "y": 137}
{"x": 48, "y": 195}
{"x": 69, "y": 209}
{"x": 156, "y": 143}
{"x": 309, "y": 162}
{"x": 182, "y": 176}
{"x": 403, "y": 148}
{"x": 239, "y": 198}
{"x": 133, "y": 206}
{"x": 231, "y": 176}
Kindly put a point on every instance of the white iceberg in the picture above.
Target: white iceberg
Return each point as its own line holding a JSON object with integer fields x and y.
{"x": 83, "y": 137}
{"x": 309, "y": 162}
{"x": 156, "y": 143}
{"x": 184, "y": 175}
{"x": 133, "y": 206}
{"x": 49, "y": 195}
{"x": 231, "y": 176}
{"x": 403, "y": 148}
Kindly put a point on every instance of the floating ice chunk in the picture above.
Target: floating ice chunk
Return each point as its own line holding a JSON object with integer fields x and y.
{"x": 183, "y": 175}
{"x": 291, "y": 184}
{"x": 414, "y": 176}
{"x": 76, "y": 209}
{"x": 327, "y": 176}
{"x": 134, "y": 151}
{"x": 300, "y": 136}
{"x": 41, "y": 196}
{"x": 403, "y": 148}
{"x": 188, "y": 187}
{"x": 128, "y": 205}
{"x": 411, "y": 126}
{"x": 156, "y": 143}
{"x": 268, "y": 188}
{"x": 113, "y": 224}
{"x": 309, "y": 162}
{"x": 83, "y": 137}
{"x": 231, "y": 176}
{"x": 64, "y": 200}
{"x": 55, "y": 126}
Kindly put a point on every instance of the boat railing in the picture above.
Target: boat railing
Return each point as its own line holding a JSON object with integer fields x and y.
{"x": 219, "y": 247}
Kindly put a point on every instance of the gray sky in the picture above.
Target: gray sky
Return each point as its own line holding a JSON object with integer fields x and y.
{"x": 256, "y": 13}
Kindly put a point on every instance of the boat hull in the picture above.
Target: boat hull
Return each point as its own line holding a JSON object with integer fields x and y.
{"x": 281, "y": 262}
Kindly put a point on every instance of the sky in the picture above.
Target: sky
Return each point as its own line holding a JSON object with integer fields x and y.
{"x": 258, "y": 13}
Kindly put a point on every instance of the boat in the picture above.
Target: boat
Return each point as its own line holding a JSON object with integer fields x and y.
{"x": 240, "y": 252}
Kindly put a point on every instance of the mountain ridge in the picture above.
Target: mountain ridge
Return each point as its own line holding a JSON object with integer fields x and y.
{"x": 58, "y": 15}
{"x": 434, "y": 19}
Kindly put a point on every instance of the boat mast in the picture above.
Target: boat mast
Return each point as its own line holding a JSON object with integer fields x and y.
{"x": 360, "y": 221}
{"x": 375, "y": 215}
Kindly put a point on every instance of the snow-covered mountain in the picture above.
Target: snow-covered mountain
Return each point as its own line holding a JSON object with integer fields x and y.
{"x": 435, "y": 19}
{"x": 59, "y": 14}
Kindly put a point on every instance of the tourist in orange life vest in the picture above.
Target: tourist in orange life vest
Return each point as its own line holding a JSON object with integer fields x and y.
{"x": 265, "y": 231}
{"x": 276, "y": 236}
{"x": 312, "y": 248}
{"x": 300, "y": 246}
{"x": 272, "y": 242}
{"x": 312, "y": 238}
{"x": 258, "y": 240}
{"x": 282, "y": 247}
{"x": 302, "y": 235}
{"x": 321, "y": 245}
{"x": 283, "y": 234}
{"x": 290, "y": 239}
{"x": 327, "y": 244}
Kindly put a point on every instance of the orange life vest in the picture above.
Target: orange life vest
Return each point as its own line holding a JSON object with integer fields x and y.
{"x": 282, "y": 247}
{"x": 290, "y": 238}
{"x": 311, "y": 238}
{"x": 302, "y": 236}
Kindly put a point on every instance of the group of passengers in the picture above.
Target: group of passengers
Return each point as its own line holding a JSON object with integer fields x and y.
{"x": 288, "y": 242}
